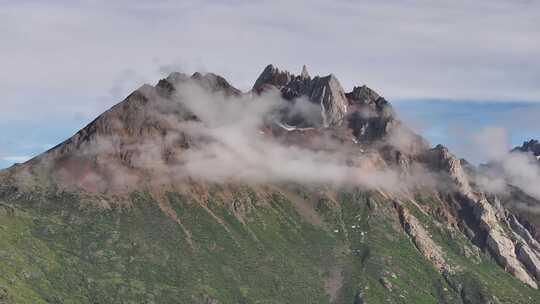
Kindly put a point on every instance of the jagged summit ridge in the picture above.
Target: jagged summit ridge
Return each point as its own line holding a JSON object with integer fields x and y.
{"x": 362, "y": 110}
{"x": 324, "y": 91}
{"x": 150, "y": 133}
{"x": 157, "y": 115}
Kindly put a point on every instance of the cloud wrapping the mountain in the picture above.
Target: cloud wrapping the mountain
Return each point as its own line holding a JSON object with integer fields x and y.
{"x": 515, "y": 168}
{"x": 229, "y": 142}
{"x": 237, "y": 149}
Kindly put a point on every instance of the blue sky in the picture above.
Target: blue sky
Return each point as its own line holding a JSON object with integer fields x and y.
{"x": 439, "y": 62}
{"x": 455, "y": 123}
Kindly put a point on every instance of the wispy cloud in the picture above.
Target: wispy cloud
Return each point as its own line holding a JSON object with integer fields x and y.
{"x": 234, "y": 139}
{"x": 505, "y": 167}
{"x": 452, "y": 123}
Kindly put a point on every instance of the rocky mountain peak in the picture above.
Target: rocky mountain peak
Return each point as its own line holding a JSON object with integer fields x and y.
{"x": 271, "y": 75}
{"x": 151, "y": 114}
{"x": 214, "y": 83}
{"x": 363, "y": 94}
{"x": 323, "y": 91}
{"x": 208, "y": 81}
{"x": 369, "y": 116}
{"x": 304, "y": 73}
{"x": 441, "y": 159}
{"x": 532, "y": 146}
{"x": 177, "y": 77}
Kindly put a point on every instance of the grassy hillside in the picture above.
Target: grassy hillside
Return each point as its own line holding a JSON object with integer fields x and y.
{"x": 290, "y": 246}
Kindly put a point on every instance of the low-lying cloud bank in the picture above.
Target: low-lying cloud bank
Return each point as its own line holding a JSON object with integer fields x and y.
{"x": 232, "y": 144}
{"x": 239, "y": 150}
{"x": 218, "y": 138}
{"x": 231, "y": 139}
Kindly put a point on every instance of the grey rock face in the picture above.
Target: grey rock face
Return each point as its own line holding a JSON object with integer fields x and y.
{"x": 272, "y": 76}
{"x": 113, "y": 140}
{"x": 324, "y": 91}
{"x": 530, "y": 259}
{"x": 504, "y": 252}
{"x": 422, "y": 240}
{"x": 502, "y": 244}
{"x": 523, "y": 233}
{"x": 367, "y": 114}
{"x": 532, "y": 146}
{"x": 489, "y": 220}
{"x": 440, "y": 159}
{"x": 208, "y": 81}
{"x": 215, "y": 83}
{"x": 370, "y": 116}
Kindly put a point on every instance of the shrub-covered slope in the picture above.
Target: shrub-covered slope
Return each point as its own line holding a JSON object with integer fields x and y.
{"x": 290, "y": 246}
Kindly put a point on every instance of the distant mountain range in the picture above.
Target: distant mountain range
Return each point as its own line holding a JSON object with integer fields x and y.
{"x": 298, "y": 191}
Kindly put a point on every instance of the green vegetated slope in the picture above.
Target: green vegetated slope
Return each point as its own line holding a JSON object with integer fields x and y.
{"x": 350, "y": 248}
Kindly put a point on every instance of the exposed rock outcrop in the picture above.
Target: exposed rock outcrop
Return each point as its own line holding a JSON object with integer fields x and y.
{"x": 489, "y": 220}
{"x": 370, "y": 116}
{"x": 523, "y": 233}
{"x": 532, "y": 146}
{"x": 530, "y": 259}
{"x": 440, "y": 159}
{"x": 503, "y": 250}
{"x": 429, "y": 249}
{"x": 323, "y": 91}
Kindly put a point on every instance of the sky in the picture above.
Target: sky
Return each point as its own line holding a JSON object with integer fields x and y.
{"x": 450, "y": 67}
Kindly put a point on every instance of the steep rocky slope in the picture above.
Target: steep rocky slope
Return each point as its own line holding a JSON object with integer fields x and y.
{"x": 192, "y": 191}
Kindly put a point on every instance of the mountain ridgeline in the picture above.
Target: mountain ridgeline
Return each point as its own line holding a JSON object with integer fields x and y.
{"x": 532, "y": 146}
{"x": 192, "y": 191}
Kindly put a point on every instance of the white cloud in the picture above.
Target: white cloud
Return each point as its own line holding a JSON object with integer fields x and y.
{"x": 228, "y": 142}
{"x": 519, "y": 169}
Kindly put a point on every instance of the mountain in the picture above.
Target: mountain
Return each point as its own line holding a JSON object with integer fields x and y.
{"x": 192, "y": 191}
{"x": 532, "y": 146}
